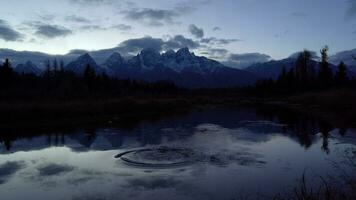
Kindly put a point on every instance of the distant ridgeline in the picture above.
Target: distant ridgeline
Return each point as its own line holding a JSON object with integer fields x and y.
{"x": 182, "y": 68}
{"x": 305, "y": 75}
{"x": 153, "y": 71}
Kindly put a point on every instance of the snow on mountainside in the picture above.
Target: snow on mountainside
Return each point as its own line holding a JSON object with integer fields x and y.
{"x": 181, "y": 67}
{"x": 273, "y": 69}
{"x": 347, "y": 57}
{"x": 78, "y": 66}
{"x": 27, "y": 68}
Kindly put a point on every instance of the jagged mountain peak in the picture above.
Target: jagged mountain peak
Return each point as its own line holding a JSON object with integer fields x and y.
{"x": 28, "y": 68}
{"x": 184, "y": 52}
{"x": 170, "y": 52}
{"x": 85, "y": 56}
{"x": 115, "y": 57}
{"x": 78, "y": 66}
{"x": 149, "y": 51}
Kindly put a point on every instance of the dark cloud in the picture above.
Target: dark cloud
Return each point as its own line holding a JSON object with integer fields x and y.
{"x": 8, "y": 169}
{"x": 52, "y": 31}
{"x": 54, "y": 169}
{"x": 76, "y": 18}
{"x": 132, "y": 46}
{"x": 180, "y": 41}
{"x": 135, "y": 45}
{"x": 197, "y": 32}
{"x": 351, "y": 11}
{"x": 7, "y": 33}
{"x": 78, "y": 51}
{"x": 152, "y": 17}
{"x": 92, "y": 28}
{"x": 217, "y": 41}
{"x": 298, "y": 14}
{"x": 122, "y": 27}
{"x": 216, "y": 28}
{"x": 245, "y": 60}
{"x": 160, "y": 17}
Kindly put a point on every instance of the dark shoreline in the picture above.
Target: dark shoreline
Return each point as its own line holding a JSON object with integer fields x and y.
{"x": 126, "y": 111}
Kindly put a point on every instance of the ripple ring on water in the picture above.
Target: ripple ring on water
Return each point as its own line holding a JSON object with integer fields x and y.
{"x": 161, "y": 157}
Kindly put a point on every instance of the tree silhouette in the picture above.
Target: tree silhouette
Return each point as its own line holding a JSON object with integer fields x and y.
{"x": 55, "y": 65}
{"x": 341, "y": 74}
{"x": 302, "y": 70}
{"x": 6, "y": 74}
{"x": 89, "y": 76}
{"x": 325, "y": 73}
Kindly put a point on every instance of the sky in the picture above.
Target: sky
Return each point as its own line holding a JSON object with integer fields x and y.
{"x": 220, "y": 29}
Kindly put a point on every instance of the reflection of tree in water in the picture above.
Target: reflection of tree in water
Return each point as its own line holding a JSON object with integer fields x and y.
{"x": 304, "y": 126}
{"x": 325, "y": 129}
{"x": 301, "y": 127}
{"x": 56, "y": 139}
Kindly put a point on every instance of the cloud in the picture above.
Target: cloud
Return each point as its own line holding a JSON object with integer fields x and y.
{"x": 160, "y": 17}
{"x": 8, "y": 169}
{"x": 92, "y": 28}
{"x": 351, "y": 11}
{"x": 246, "y": 59}
{"x": 152, "y": 17}
{"x": 132, "y": 46}
{"x": 216, "y": 28}
{"x": 197, "y": 32}
{"x": 76, "y": 18}
{"x": 135, "y": 45}
{"x": 214, "y": 40}
{"x": 46, "y": 17}
{"x": 216, "y": 53}
{"x": 122, "y": 27}
{"x": 7, "y": 33}
{"x": 54, "y": 169}
{"x": 52, "y": 31}
{"x": 298, "y": 14}
{"x": 180, "y": 41}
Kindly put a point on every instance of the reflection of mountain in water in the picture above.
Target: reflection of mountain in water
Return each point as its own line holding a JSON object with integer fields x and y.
{"x": 243, "y": 124}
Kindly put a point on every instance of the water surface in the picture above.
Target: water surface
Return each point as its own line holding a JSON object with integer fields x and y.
{"x": 210, "y": 154}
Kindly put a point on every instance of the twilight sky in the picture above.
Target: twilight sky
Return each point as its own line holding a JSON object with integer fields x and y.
{"x": 220, "y": 29}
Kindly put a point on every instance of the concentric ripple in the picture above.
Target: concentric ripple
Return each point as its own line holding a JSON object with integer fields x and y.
{"x": 165, "y": 157}
{"x": 159, "y": 157}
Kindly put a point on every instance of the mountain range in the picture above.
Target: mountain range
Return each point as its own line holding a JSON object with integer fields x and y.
{"x": 182, "y": 67}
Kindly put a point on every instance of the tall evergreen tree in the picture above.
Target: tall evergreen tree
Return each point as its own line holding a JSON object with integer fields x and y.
{"x": 89, "y": 76}
{"x": 341, "y": 74}
{"x": 302, "y": 69}
{"x": 55, "y": 65}
{"x": 325, "y": 73}
{"x": 6, "y": 74}
{"x": 61, "y": 66}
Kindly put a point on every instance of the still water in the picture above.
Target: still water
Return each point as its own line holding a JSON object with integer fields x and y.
{"x": 209, "y": 154}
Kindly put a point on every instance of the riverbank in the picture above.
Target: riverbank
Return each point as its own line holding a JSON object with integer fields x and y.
{"x": 333, "y": 105}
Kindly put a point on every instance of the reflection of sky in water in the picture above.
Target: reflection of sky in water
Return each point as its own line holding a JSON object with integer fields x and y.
{"x": 251, "y": 156}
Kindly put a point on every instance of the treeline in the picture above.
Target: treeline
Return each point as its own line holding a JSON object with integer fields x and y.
{"x": 56, "y": 82}
{"x": 307, "y": 75}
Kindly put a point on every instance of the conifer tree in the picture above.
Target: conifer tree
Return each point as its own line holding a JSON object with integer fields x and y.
{"x": 341, "y": 74}
{"x": 325, "y": 73}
